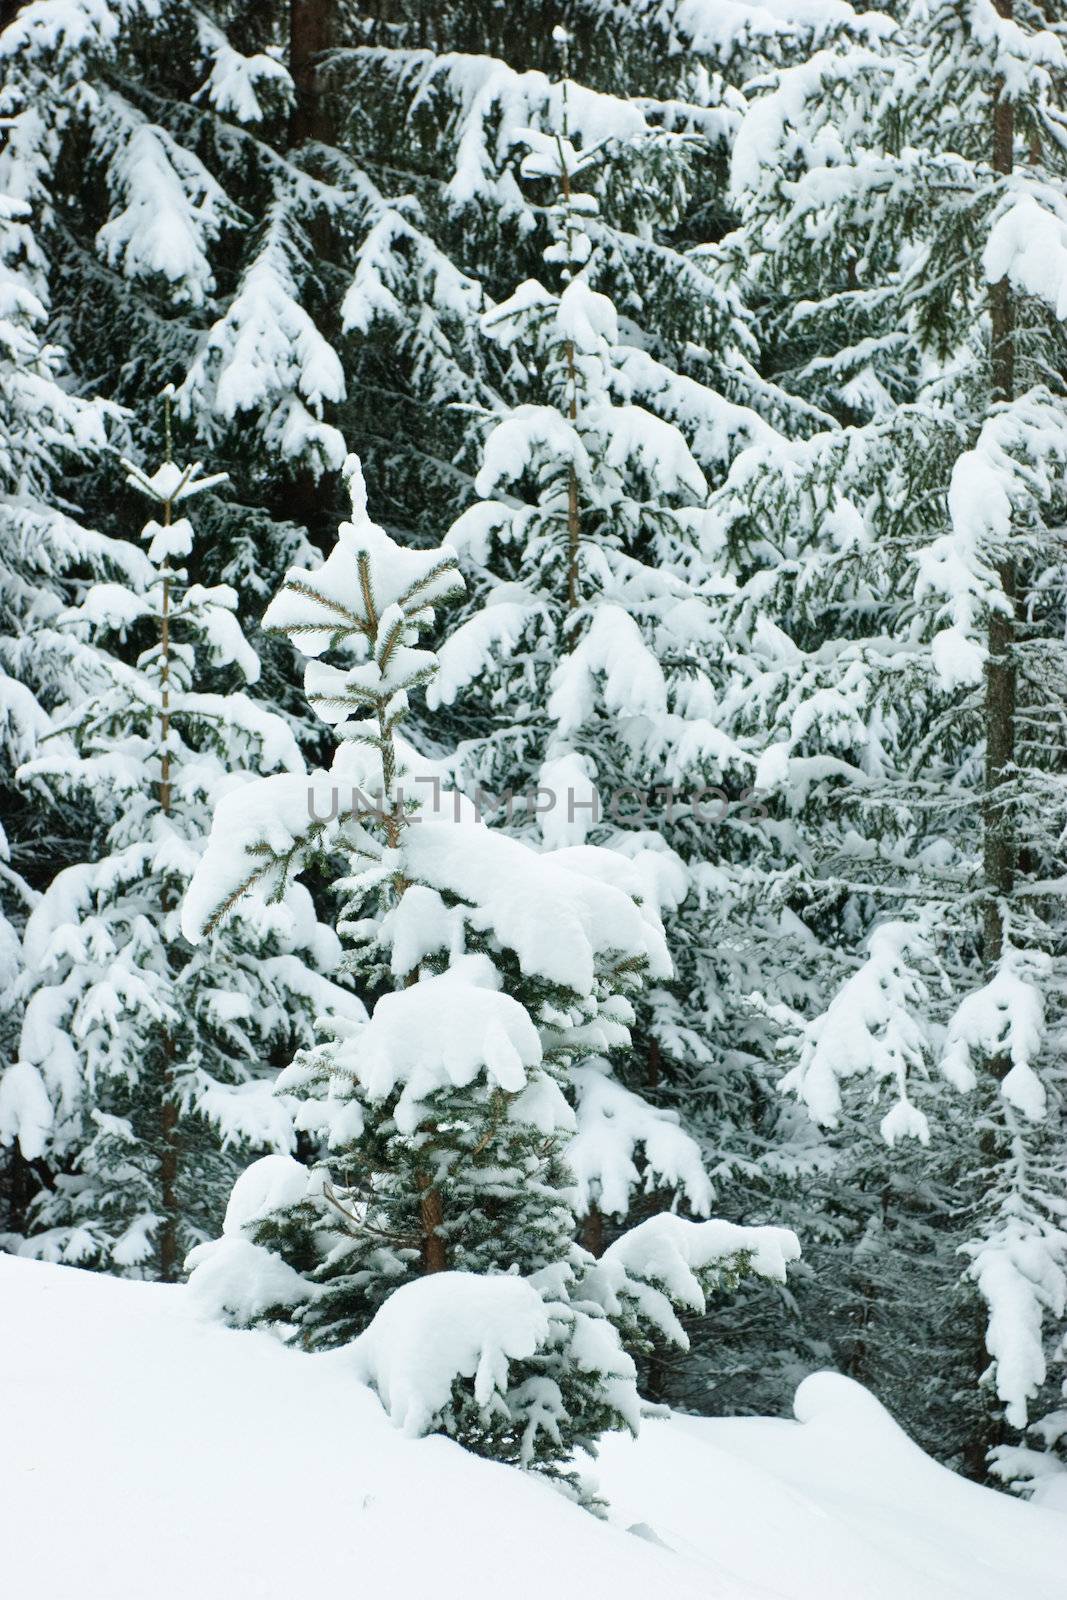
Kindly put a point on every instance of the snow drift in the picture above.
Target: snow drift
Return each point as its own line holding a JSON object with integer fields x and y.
{"x": 148, "y": 1449}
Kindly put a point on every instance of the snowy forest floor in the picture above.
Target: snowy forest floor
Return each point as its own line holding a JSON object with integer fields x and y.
{"x": 147, "y": 1451}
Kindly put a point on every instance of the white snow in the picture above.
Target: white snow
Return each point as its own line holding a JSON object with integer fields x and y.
{"x": 231, "y": 84}
{"x": 448, "y": 1325}
{"x": 569, "y": 778}
{"x": 1005, "y": 1017}
{"x": 467, "y": 652}
{"x": 1028, "y": 245}
{"x": 170, "y": 481}
{"x": 267, "y": 354}
{"x": 333, "y": 596}
{"x": 874, "y": 1024}
{"x": 612, "y": 649}
{"x": 517, "y": 445}
{"x": 236, "y": 1279}
{"x": 1013, "y": 466}
{"x": 658, "y": 1266}
{"x": 232, "y": 1454}
{"x": 613, "y": 1125}
{"x": 25, "y": 1109}
{"x": 554, "y": 914}
{"x": 443, "y": 1032}
{"x": 265, "y": 1186}
{"x": 837, "y": 1505}
{"x": 166, "y": 542}
{"x": 168, "y": 208}
{"x": 1020, "y": 1275}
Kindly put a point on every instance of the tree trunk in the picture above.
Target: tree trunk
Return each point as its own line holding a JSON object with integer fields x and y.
{"x": 431, "y": 1214}
{"x": 21, "y": 1181}
{"x": 655, "y": 1063}
{"x": 574, "y": 524}
{"x": 998, "y": 840}
{"x": 169, "y": 1248}
{"x": 311, "y": 31}
{"x": 592, "y": 1233}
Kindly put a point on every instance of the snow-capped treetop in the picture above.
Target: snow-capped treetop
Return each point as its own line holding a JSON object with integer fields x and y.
{"x": 171, "y": 482}
{"x": 369, "y": 593}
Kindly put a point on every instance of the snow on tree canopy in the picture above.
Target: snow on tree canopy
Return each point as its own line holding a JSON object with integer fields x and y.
{"x": 561, "y": 922}
{"x": 668, "y": 1262}
{"x": 231, "y": 84}
{"x": 993, "y": 486}
{"x": 335, "y": 604}
{"x": 874, "y": 1024}
{"x": 167, "y": 208}
{"x": 1019, "y": 1272}
{"x": 615, "y": 1129}
{"x": 1004, "y": 1018}
{"x": 272, "y": 1181}
{"x": 443, "y": 1031}
{"x": 448, "y": 1326}
{"x": 1027, "y": 244}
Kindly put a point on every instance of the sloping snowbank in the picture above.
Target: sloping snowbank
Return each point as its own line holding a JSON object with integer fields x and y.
{"x": 148, "y": 1452}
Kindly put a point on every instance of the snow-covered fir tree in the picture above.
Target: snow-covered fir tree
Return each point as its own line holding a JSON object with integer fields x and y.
{"x": 600, "y": 680}
{"x": 47, "y": 555}
{"x": 438, "y": 1232}
{"x": 303, "y": 244}
{"x": 903, "y": 217}
{"x": 142, "y": 1077}
{"x": 592, "y": 609}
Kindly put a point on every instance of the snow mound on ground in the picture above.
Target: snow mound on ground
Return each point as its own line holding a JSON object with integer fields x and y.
{"x": 837, "y": 1505}
{"x": 134, "y": 1424}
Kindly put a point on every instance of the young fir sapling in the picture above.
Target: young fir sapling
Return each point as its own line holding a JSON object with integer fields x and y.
{"x": 437, "y": 1232}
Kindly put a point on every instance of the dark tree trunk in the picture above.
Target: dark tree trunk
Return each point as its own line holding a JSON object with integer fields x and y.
{"x": 431, "y": 1213}
{"x": 21, "y": 1181}
{"x": 999, "y": 849}
{"x": 169, "y": 1240}
{"x": 169, "y": 1245}
{"x": 592, "y": 1232}
{"x": 311, "y": 32}
{"x": 999, "y": 841}
{"x": 655, "y": 1064}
